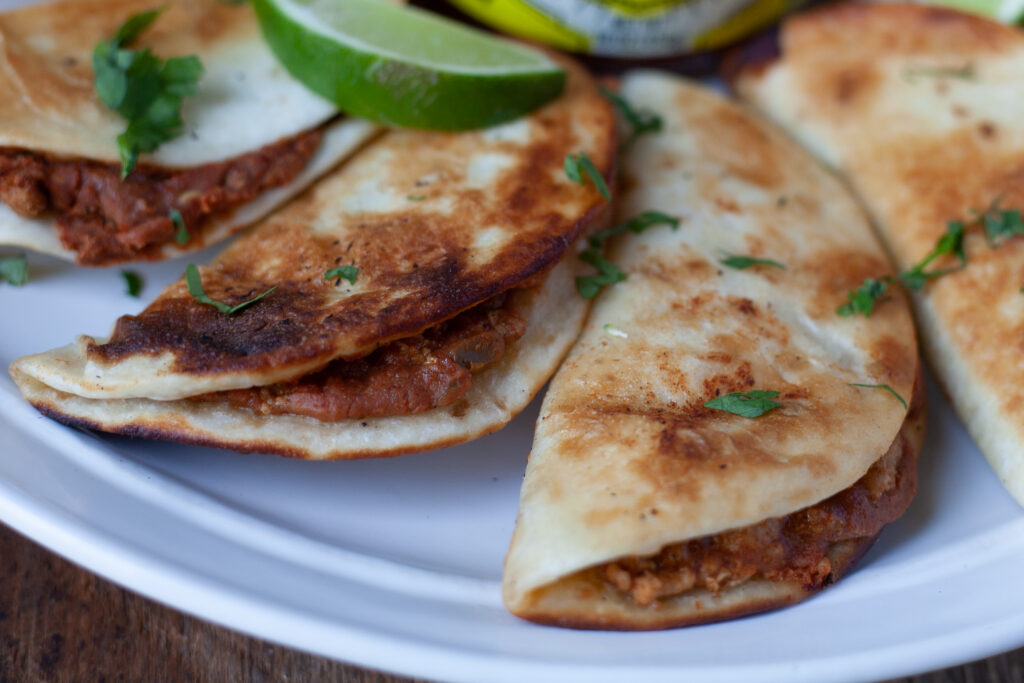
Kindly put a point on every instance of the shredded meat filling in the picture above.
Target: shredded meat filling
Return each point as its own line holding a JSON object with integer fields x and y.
{"x": 404, "y": 377}
{"x": 105, "y": 219}
{"x": 794, "y": 548}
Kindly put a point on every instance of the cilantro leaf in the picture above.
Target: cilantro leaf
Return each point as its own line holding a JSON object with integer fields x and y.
{"x": 750, "y": 404}
{"x": 14, "y": 270}
{"x": 145, "y": 90}
{"x": 886, "y": 387}
{"x": 133, "y": 282}
{"x": 195, "y": 287}
{"x": 640, "y": 121}
{"x": 862, "y": 300}
{"x": 131, "y": 29}
{"x": 743, "y": 262}
{"x": 342, "y": 272}
{"x": 181, "y": 235}
{"x": 578, "y": 164}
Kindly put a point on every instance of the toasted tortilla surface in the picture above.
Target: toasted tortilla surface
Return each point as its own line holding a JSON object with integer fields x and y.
{"x": 919, "y": 108}
{"x": 554, "y": 314}
{"x": 626, "y": 459}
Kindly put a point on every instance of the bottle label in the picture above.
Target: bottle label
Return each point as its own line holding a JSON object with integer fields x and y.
{"x": 629, "y": 28}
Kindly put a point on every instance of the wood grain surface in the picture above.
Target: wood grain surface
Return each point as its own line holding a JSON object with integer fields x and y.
{"x": 61, "y": 623}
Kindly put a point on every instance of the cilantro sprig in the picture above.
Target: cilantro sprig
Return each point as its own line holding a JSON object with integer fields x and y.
{"x": 195, "y": 287}
{"x": 14, "y": 270}
{"x": 640, "y": 121}
{"x": 998, "y": 225}
{"x": 950, "y": 243}
{"x": 608, "y": 273}
{"x": 342, "y": 273}
{"x": 144, "y": 89}
{"x": 884, "y": 387}
{"x": 750, "y": 404}
{"x": 739, "y": 262}
{"x": 576, "y": 165}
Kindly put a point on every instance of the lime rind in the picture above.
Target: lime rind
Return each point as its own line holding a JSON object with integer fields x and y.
{"x": 372, "y": 25}
{"x": 389, "y": 87}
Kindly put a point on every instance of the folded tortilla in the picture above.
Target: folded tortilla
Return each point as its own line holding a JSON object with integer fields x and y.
{"x": 642, "y": 508}
{"x": 245, "y": 102}
{"x": 917, "y": 107}
{"x": 437, "y": 224}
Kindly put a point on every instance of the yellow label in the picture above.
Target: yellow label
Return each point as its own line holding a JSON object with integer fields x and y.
{"x": 629, "y": 28}
{"x": 518, "y": 18}
{"x": 642, "y": 8}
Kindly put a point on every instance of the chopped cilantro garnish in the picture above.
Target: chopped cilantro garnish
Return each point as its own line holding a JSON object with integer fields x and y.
{"x": 1001, "y": 224}
{"x": 181, "y": 235}
{"x": 578, "y": 164}
{"x": 589, "y": 285}
{"x": 862, "y": 300}
{"x": 342, "y": 272}
{"x": 640, "y": 120}
{"x": 144, "y": 89}
{"x": 14, "y": 270}
{"x": 195, "y": 287}
{"x": 635, "y": 225}
{"x": 998, "y": 224}
{"x": 132, "y": 282}
{"x": 743, "y": 262}
{"x": 416, "y": 198}
{"x": 750, "y": 404}
{"x": 950, "y": 243}
{"x": 886, "y": 387}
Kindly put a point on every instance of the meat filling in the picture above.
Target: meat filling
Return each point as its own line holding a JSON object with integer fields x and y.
{"x": 794, "y": 548}
{"x": 105, "y": 219}
{"x": 405, "y": 377}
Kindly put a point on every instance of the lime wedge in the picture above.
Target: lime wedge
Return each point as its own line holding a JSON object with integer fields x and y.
{"x": 402, "y": 66}
{"x": 1006, "y": 11}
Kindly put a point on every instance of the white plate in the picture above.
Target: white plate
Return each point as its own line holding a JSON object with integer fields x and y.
{"x": 396, "y": 564}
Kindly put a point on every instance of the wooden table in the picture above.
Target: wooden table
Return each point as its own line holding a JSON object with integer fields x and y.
{"x": 61, "y": 623}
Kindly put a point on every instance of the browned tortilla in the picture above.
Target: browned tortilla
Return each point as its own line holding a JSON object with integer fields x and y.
{"x": 434, "y": 222}
{"x": 919, "y": 108}
{"x": 642, "y": 507}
